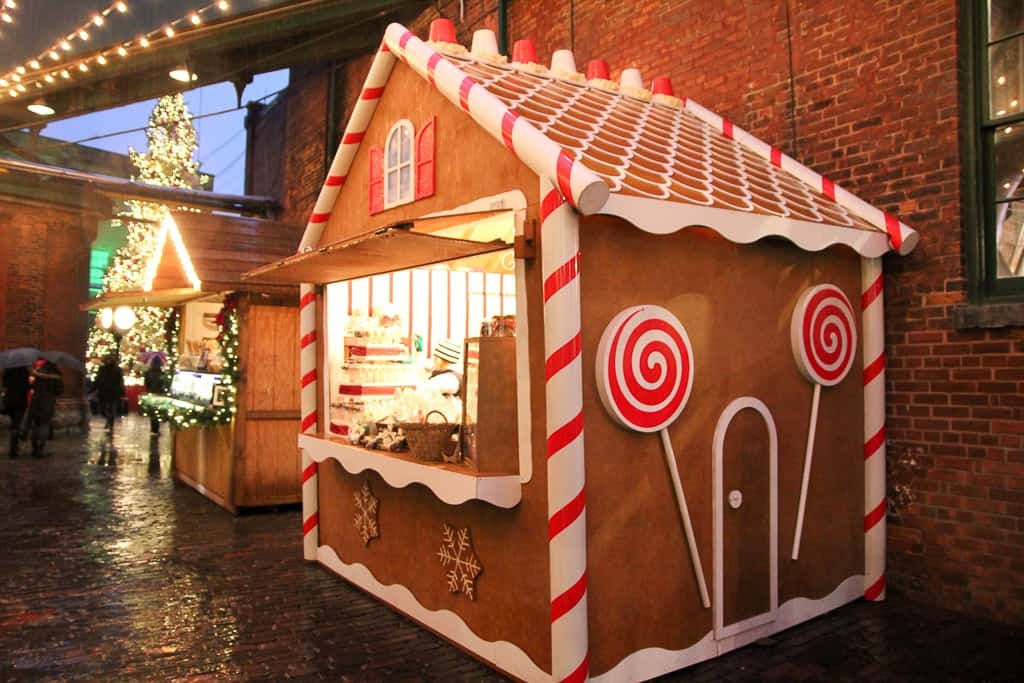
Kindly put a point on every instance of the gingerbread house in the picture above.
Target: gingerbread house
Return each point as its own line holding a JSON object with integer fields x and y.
{"x": 231, "y": 406}
{"x": 681, "y": 447}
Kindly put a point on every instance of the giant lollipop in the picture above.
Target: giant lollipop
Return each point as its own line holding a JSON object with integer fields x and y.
{"x": 824, "y": 337}
{"x": 644, "y": 377}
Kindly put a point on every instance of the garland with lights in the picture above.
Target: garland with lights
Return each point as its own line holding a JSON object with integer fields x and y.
{"x": 184, "y": 415}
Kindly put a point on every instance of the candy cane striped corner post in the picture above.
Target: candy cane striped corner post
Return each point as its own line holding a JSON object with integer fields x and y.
{"x": 563, "y": 372}
{"x": 373, "y": 88}
{"x": 309, "y": 413}
{"x": 873, "y": 313}
{"x": 579, "y": 185}
{"x": 902, "y": 238}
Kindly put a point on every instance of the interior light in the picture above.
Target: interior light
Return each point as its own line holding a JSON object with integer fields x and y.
{"x": 1001, "y": 80}
{"x": 6, "y": 17}
{"x": 4, "y": 83}
{"x": 106, "y": 317}
{"x": 41, "y": 108}
{"x": 180, "y": 73}
{"x": 124, "y": 317}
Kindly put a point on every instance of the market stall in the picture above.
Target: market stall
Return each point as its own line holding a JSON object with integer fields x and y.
{"x": 684, "y": 344}
{"x": 232, "y": 403}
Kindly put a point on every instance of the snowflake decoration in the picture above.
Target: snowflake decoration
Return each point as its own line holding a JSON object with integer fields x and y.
{"x": 457, "y": 553}
{"x": 366, "y": 513}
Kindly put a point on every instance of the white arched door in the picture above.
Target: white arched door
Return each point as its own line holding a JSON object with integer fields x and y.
{"x": 746, "y": 525}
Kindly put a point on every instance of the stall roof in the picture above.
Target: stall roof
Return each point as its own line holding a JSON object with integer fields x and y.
{"x": 392, "y": 248}
{"x": 199, "y": 254}
{"x": 668, "y": 162}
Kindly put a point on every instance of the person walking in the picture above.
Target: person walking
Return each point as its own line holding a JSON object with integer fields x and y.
{"x": 16, "y": 386}
{"x": 110, "y": 389}
{"x": 47, "y": 385}
{"x": 154, "y": 381}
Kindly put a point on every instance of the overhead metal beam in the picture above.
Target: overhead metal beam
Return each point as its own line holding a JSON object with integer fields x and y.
{"x": 120, "y": 188}
{"x": 283, "y": 36}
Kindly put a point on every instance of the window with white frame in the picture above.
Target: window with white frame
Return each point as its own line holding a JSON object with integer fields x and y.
{"x": 398, "y": 165}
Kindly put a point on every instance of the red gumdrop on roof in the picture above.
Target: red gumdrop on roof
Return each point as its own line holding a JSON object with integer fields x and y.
{"x": 598, "y": 68}
{"x": 524, "y": 52}
{"x": 442, "y": 31}
{"x": 662, "y": 85}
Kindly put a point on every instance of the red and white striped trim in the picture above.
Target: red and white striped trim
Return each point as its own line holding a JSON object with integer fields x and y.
{"x": 873, "y": 324}
{"x": 902, "y": 238}
{"x": 373, "y": 88}
{"x": 310, "y": 418}
{"x": 567, "y": 519}
{"x": 581, "y": 186}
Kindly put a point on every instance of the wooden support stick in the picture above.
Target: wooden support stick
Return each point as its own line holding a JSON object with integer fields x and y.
{"x": 684, "y": 513}
{"x": 807, "y": 471}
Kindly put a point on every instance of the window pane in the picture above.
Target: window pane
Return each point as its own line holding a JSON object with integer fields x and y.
{"x": 406, "y": 143}
{"x": 1005, "y": 18}
{"x": 393, "y": 149}
{"x": 392, "y": 183}
{"x": 406, "y": 191}
{"x": 1009, "y": 161}
{"x": 1010, "y": 239}
{"x": 1005, "y": 77}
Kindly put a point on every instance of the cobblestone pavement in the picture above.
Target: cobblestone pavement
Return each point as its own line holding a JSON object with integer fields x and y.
{"x": 109, "y": 571}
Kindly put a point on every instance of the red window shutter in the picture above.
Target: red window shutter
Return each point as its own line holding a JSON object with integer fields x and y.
{"x": 376, "y": 180}
{"x": 425, "y": 160}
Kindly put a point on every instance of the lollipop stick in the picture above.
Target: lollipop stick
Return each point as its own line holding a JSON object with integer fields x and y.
{"x": 807, "y": 471}
{"x": 684, "y": 513}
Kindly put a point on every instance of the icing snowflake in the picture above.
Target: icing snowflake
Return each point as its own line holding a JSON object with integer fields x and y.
{"x": 457, "y": 553}
{"x": 366, "y": 513}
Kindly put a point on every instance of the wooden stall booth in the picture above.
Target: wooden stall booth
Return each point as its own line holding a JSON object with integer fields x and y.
{"x": 670, "y": 342}
{"x": 233, "y": 402}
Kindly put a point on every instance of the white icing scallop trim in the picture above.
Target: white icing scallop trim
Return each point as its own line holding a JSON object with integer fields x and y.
{"x": 661, "y": 217}
{"x": 502, "y": 654}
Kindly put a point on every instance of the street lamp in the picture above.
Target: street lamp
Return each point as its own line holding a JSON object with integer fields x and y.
{"x": 117, "y": 321}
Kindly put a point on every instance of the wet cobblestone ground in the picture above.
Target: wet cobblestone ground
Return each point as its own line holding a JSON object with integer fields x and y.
{"x": 109, "y": 571}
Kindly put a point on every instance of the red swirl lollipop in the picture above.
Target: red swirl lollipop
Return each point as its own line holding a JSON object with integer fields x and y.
{"x": 645, "y": 368}
{"x": 644, "y": 378}
{"x": 823, "y": 333}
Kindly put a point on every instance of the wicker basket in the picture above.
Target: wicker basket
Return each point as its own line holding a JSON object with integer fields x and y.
{"x": 429, "y": 441}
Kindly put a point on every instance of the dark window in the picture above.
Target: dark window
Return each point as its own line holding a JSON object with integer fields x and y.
{"x": 993, "y": 52}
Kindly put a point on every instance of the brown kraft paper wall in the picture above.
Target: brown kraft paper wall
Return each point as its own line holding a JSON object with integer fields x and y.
{"x": 735, "y": 302}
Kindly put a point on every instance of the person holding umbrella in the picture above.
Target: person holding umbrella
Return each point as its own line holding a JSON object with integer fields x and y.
{"x": 47, "y": 385}
{"x": 16, "y": 386}
{"x": 110, "y": 389}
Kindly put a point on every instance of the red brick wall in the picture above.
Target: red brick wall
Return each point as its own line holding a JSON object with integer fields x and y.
{"x": 871, "y": 101}
{"x": 44, "y": 254}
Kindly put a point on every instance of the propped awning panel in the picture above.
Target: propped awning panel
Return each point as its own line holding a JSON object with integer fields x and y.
{"x": 157, "y": 297}
{"x": 384, "y": 251}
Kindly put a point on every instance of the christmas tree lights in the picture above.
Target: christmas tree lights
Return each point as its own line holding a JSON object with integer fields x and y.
{"x": 168, "y": 161}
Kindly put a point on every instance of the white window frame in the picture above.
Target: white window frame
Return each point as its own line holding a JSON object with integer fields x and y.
{"x": 397, "y": 168}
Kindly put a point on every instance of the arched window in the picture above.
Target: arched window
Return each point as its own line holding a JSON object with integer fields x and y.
{"x": 398, "y": 165}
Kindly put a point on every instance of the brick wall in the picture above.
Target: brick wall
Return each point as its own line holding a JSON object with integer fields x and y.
{"x": 866, "y": 93}
{"x": 44, "y": 255}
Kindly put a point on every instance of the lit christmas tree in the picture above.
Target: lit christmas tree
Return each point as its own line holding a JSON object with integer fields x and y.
{"x": 167, "y": 161}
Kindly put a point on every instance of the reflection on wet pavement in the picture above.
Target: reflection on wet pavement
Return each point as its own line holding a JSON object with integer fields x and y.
{"x": 111, "y": 571}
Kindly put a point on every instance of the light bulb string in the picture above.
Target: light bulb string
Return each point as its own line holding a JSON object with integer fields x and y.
{"x": 44, "y": 73}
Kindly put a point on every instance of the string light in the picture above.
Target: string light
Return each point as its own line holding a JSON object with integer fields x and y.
{"x": 4, "y": 82}
{"x": 8, "y": 19}
{"x": 99, "y": 20}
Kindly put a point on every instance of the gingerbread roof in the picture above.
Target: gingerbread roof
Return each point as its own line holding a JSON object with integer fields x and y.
{"x": 663, "y": 163}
